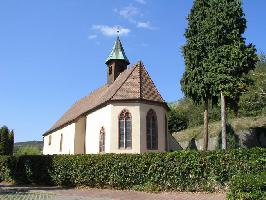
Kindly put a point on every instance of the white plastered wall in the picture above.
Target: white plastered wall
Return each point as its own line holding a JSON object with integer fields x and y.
{"x": 67, "y": 144}
{"x": 161, "y": 114}
{"x": 107, "y": 117}
{"x": 95, "y": 121}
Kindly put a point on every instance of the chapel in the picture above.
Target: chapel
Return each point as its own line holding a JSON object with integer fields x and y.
{"x": 126, "y": 115}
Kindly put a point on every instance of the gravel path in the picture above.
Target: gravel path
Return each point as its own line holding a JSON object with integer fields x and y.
{"x": 55, "y": 193}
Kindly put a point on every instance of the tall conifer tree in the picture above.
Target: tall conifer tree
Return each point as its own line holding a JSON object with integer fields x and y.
{"x": 11, "y": 143}
{"x": 196, "y": 80}
{"x": 228, "y": 57}
{"x": 4, "y": 140}
{"x": 216, "y": 56}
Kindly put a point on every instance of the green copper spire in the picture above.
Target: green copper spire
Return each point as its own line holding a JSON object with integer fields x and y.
{"x": 117, "y": 53}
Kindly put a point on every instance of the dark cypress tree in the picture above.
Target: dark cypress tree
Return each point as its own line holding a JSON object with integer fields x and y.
{"x": 11, "y": 143}
{"x": 4, "y": 140}
{"x": 196, "y": 81}
{"x": 216, "y": 56}
{"x": 228, "y": 57}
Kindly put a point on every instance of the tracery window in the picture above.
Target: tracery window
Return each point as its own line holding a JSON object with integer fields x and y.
{"x": 125, "y": 130}
{"x": 152, "y": 132}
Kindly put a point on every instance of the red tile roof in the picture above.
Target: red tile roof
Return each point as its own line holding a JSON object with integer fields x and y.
{"x": 132, "y": 84}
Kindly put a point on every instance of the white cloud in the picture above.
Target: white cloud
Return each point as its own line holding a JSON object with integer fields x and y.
{"x": 146, "y": 25}
{"x": 128, "y": 12}
{"x": 141, "y": 1}
{"x": 134, "y": 15}
{"x": 111, "y": 30}
{"x": 91, "y": 37}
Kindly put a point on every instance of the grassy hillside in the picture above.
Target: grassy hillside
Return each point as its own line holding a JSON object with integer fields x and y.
{"x": 38, "y": 144}
{"x": 215, "y": 127}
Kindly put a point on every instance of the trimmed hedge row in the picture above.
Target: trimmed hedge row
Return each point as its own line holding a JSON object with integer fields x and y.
{"x": 247, "y": 187}
{"x": 179, "y": 171}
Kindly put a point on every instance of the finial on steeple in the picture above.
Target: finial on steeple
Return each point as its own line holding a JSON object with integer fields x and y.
{"x": 118, "y": 31}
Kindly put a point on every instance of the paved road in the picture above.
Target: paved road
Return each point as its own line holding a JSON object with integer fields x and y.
{"x": 55, "y": 193}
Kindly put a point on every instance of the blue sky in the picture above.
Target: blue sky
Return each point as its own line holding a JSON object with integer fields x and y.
{"x": 52, "y": 53}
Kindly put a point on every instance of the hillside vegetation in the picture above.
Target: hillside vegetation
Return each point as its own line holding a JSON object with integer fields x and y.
{"x": 237, "y": 124}
{"x": 250, "y": 108}
{"x": 28, "y": 148}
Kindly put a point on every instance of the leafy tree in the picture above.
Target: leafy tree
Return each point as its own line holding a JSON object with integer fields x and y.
{"x": 253, "y": 101}
{"x": 177, "y": 121}
{"x": 196, "y": 81}
{"x": 228, "y": 57}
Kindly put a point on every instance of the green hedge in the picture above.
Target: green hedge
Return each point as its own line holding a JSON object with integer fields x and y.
{"x": 7, "y": 166}
{"x": 247, "y": 187}
{"x": 179, "y": 171}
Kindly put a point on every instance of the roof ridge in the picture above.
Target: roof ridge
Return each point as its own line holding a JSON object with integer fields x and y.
{"x": 140, "y": 82}
{"x": 133, "y": 68}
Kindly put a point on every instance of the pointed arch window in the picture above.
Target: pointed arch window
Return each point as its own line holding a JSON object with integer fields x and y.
{"x": 152, "y": 130}
{"x": 102, "y": 140}
{"x": 50, "y": 140}
{"x": 61, "y": 142}
{"x": 125, "y": 130}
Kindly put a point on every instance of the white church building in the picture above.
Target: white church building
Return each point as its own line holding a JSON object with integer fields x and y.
{"x": 126, "y": 115}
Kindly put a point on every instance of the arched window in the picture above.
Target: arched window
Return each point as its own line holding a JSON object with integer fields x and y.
{"x": 152, "y": 132}
{"x": 125, "y": 130}
{"x": 50, "y": 140}
{"x": 61, "y": 142}
{"x": 102, "y": 140}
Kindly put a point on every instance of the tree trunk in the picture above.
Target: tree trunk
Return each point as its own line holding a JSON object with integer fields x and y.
{"x": 223, "y": 120}
{"x": 206, "y": 121}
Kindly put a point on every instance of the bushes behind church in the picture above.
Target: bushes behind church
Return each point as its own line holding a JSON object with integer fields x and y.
{"x": 178, "y": 171}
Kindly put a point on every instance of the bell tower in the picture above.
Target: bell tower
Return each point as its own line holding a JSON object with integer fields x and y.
{"x": 116, "y": 62}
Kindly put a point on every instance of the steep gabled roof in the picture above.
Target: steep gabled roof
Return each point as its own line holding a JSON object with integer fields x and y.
{"x": 132, "y": 84}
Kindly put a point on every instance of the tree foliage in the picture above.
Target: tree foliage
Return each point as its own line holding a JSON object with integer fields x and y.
{"x": 216, "y": 56}
{"x": 177, "y": 120}
{"x": 6, "y": 141}
{"x": 253, "y": 101}
{"x": 196, "y": 80}
{"x": 28, "y": 150}
{"x": 228, "y": 57}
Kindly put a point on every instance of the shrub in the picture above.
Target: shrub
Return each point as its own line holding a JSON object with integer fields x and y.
{"x": 179, "y": 171}
{"x": 248, "y": 187}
